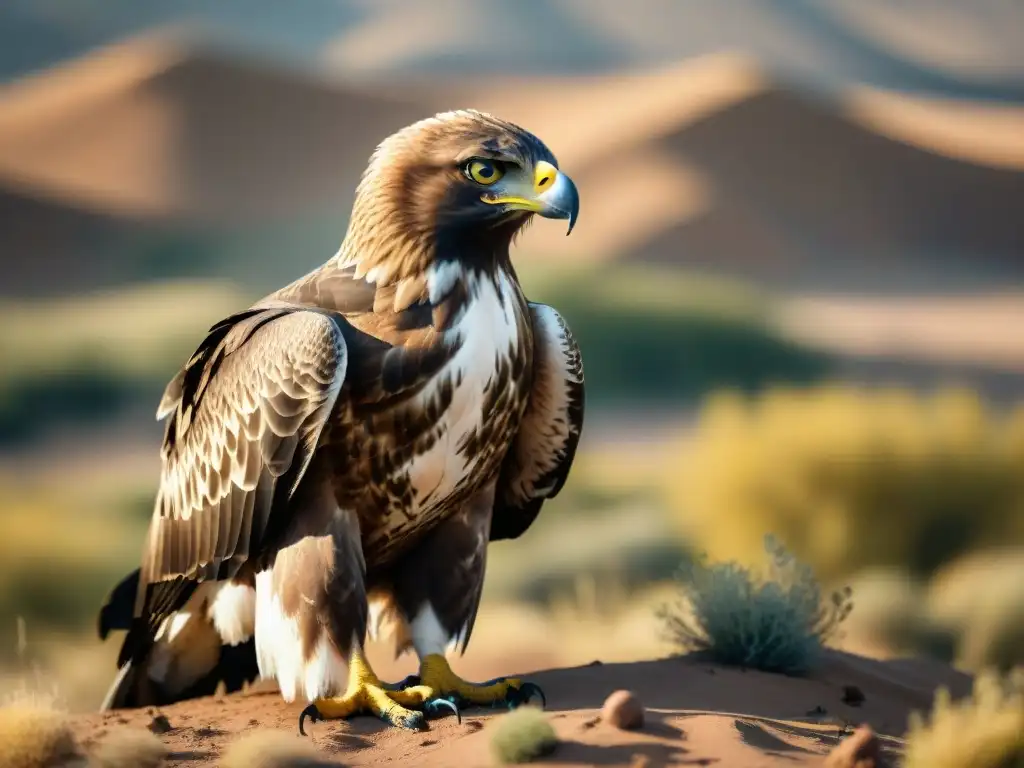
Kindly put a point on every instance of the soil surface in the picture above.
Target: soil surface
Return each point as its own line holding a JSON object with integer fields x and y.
{"x": 697, "y": 713}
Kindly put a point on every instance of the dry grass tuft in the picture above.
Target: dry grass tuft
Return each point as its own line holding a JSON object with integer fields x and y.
{"x": 985, "y": 730}
{"x": 274, "y": 749}
{"x": 127, "y": 748}
{"x": 34, "y": 735}
{"x": 521, "y": 736}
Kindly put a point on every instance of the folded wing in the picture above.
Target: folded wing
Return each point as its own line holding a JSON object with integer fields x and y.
{"x": 244, "y": 417}
{"x": 542, "y": 453}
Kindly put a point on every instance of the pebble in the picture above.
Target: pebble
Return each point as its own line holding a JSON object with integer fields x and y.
{"x": 623, "y": 710}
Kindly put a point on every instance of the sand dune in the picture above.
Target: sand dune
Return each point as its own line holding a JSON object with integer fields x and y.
{"x": 161, "y": 127}
{"x": 698, "y": 714}
{"x": 713, "y": 164}
{"x": 986, "y": 134}
{"x": 709, "y": 163}
{"x": 938, "y": 47}
{"x": 849, "y": 204}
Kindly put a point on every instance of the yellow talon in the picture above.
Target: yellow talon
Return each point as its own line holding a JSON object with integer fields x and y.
{"x": 366, "y": 694}
{"x": 437, "y": 675}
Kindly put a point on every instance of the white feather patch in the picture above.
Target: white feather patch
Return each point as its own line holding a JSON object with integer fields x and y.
{"x": 441, "y": 277}
{"x": 488, "y": 329}
{"x": 279, "y": 650}
{"x": 233, "y": 612}
{"x": 428, "y": 636}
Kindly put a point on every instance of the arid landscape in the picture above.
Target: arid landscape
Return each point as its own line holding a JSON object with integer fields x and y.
{"x": 797, "y": 282}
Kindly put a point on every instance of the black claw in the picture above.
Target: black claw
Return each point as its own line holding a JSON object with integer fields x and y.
{"x": 523, "y": 694}
{"x": 434, "y": 706}
{"x": 314, "y": 717}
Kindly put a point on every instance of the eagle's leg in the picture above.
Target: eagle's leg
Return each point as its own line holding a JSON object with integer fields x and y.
{"x": 311, "y": 611}
{"x": 367, "y": 694}
{"x": 437, "y": 589}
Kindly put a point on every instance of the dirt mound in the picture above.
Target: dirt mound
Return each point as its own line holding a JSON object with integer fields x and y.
{"x": 697, "y": 714}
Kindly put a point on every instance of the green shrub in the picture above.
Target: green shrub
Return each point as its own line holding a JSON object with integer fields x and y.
{"x": 985, "y": 730}
{"x": 852, "y": 478}
{"x": 776, "y": 623}
{"x": 521, "y": 736}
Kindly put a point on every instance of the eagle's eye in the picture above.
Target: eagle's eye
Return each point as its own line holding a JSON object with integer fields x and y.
{"x": 484, "y": 172}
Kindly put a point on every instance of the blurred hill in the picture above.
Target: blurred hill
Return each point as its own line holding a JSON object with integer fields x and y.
{"x": 174, "y": 156}
{"x": 936, "y": 46}
{"x": 162, "y": 143}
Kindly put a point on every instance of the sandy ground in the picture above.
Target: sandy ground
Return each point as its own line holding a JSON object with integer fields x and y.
{"x": 697, "y": 714}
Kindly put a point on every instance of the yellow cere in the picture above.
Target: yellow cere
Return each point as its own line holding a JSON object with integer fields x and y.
{"x": 544, "y": 175}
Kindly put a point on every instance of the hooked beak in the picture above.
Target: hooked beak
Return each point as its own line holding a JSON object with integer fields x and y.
{"x": 552, "y": 195}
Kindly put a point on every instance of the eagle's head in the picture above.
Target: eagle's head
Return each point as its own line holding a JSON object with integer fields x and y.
{"x": 461, "y": 180}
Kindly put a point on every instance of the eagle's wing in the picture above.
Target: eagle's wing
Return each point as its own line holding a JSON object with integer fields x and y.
{"x": 244, "y": 417}
{"x": 539, "y": 459}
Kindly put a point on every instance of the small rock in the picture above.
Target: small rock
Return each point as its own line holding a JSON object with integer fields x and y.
{"x": 853, "y": 695}
{"x": 159, "y": 724}
{"x": 623, "y": 710}
{"x": 861, "y": 749}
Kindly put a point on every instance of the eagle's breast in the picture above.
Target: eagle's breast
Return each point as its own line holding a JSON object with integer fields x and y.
{"x": 482, "y": 391}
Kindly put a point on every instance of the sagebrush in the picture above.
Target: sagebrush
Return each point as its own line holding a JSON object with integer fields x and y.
{"x": 985, "y": 730}
{"x": 778, "y": 621}
{"x": 851, "y": 477}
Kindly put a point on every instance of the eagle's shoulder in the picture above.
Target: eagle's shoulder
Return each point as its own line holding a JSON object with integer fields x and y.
{"x": 542, "y": 452}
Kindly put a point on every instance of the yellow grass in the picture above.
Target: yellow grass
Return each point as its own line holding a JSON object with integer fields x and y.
{"x": 850, "y": 477}
{"x": 983, "y": 731}
{"x": 33, "y": 735}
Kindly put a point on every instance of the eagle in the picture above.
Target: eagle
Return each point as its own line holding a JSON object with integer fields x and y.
{"x": 337, "y": 457}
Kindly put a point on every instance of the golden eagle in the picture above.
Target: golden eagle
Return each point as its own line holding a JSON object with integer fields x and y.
{"x": 343, "y": 451}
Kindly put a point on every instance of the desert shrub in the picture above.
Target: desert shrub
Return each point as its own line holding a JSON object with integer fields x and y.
{"x": 521, "y": 736}
{"x": 985, "y": 730}
{"x": 127, "y": 748}
{"x": 274, "y": 749}
{"x": 33, "y": 735}
{"x": 851, "y": 478}
{"x": 777, "y": 622}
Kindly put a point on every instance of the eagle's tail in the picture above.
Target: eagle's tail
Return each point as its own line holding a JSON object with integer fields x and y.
{"x": 126, "y": 690}
{"x": 205, "y": 643}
